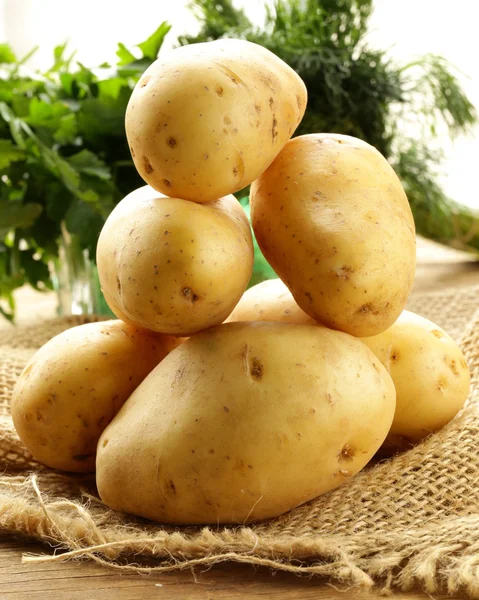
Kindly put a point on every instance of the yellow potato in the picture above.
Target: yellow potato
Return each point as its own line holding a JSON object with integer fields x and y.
{"x": 75, "y": 384}
{"x": 333, "y": 221}
{"x": 430, "y": 374}
{"x": 269, "y": 300}
{"x": 245, "y": 421}
{"x": 174, "y": 266}
{"x": 427, "y": 367}
{"x": 209, "y": 118}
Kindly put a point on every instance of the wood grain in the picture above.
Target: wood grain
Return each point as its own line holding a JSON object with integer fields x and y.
{"x": 84, "y": 580}
{"x": 437, "y": 268}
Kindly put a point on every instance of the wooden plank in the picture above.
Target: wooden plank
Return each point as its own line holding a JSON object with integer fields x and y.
{"x": 86, "y": 580}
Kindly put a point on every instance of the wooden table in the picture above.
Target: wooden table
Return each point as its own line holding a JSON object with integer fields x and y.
{"x": 437, "y": 268}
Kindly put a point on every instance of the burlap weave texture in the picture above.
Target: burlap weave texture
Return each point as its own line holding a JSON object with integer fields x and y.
{"x": 412, "y": 520}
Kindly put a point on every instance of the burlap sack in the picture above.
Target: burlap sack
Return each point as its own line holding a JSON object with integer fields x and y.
{"x": 410, "y": 521}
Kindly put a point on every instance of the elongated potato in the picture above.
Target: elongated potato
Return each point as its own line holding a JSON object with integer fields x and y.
{"x": 174, "y": 266}
{"x": 75, "y": 384}
{"x": 430, "y": 374}
{"x": 209, "y": 118}
{"x": 333, "y": 221}
{"x": 426, "y": 365}
{"x": 244, "y": 421}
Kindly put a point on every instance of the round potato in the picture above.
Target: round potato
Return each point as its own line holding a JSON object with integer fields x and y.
{"x": 333, "y": 221}
{"x": 269, "y": 300}
{"x": 174, "y": 266}
{"x": 209, "y": 118}
{"x": 430, "y": 374}
{"x": 243, "y": 422}
{"x": 75, "y": 384}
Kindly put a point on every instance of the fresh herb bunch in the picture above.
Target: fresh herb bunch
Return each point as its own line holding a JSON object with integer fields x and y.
{"x": 64, "y": 159}
{"x": 63, "y": 156}
{"x": 356, "y": 90}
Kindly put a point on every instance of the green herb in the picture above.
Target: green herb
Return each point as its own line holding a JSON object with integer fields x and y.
{"x": 63, "y": 156}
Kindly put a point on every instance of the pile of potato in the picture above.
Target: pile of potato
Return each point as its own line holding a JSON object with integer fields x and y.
{"x": 187, "y": 418}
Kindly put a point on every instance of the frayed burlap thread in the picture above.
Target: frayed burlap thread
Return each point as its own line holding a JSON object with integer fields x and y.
{"x": 410, "y": 521}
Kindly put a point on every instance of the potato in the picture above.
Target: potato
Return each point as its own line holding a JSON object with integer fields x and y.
{"x": 174, "y": 266}
{"x": 209, "y": 118}
{"x": 269, "y": 300}
{"x": 427, "y": 367}
{"x": 75, "y": 384}
{"x": 333, "y": 221}
{"x": 430, "y": 375}
{"x": 243, "y": 422}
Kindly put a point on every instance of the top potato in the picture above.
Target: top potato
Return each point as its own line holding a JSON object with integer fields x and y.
{"x": 332, "y": 219}
{"x": 207, "y": 120}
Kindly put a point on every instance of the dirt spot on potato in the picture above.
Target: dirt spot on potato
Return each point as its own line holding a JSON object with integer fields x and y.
{"x": 299, "y": 101}
{"x": 346, "y": 453}
{"x": 105, "y": 443}
{"x": 309, "y": 297}
{"x": 227, "y": 121}
{"x": 344, "y": 272}
{"x": 452, "y": 364}
{"x": 167, "y": 182}
{"x": 367, "y": 309}
{"x": 189, "y": 294}
{"x": 256, "y": 369}
{"x": 257, "y": 108}
{"x": 144, "y": 82}
{"x": 226, "y": 409}
{"x": 179, "y": 374}
{"x": 274, "y": 132}
{"x": 147, "y": 165}
{"x": 219, "y": 90}
{"x": 441, "y": 383}
{"x": 271, "y": 102}
{"x": 394, "y": 354}
{"x": 206, "y": 156}
{"x": 170, "y": 487}
{"x": 132, "y": 151}
{"x": 40, "y": 417}
{"x": 172, "y": 143}
{"x": 437, "y": 333}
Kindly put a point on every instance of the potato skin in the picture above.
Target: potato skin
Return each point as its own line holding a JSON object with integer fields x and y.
{"x": 174, "y": 266}
{"x": 426, "y": 365}
{"x": 243, "y": 422}
{"x": 332, "y": 219}
{"x": 430, "y": 374}
{"x": 269, "y": 300}
{"x": 75, "y": 384}
{"x": 207, "y": 119}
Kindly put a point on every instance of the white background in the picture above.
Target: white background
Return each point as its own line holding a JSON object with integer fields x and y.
{"x": 406, "y": 27}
